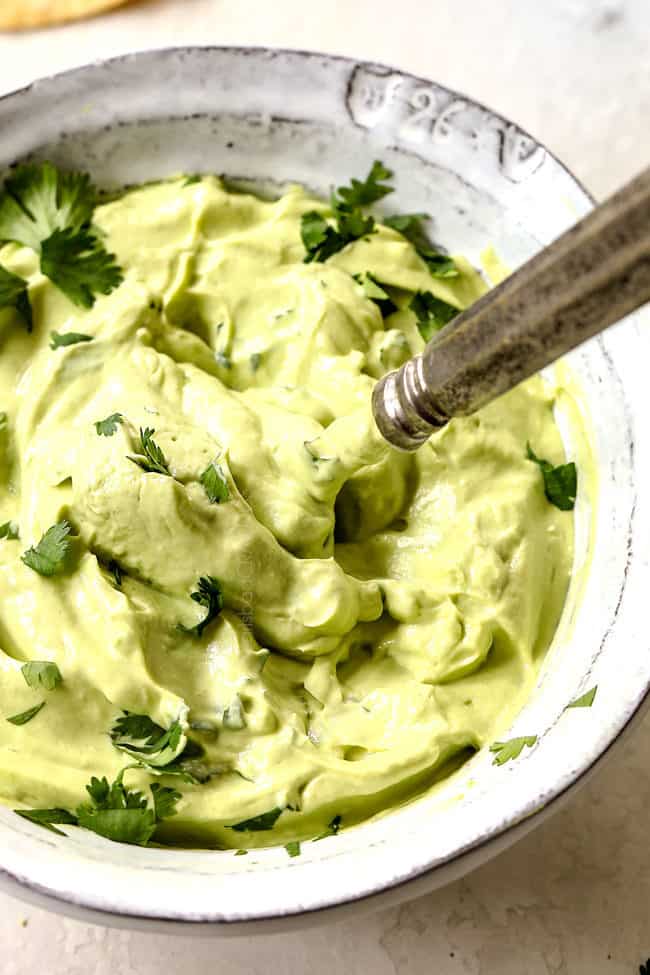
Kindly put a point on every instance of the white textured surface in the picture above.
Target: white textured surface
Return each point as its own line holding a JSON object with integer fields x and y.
{"x": 577, "y": 74}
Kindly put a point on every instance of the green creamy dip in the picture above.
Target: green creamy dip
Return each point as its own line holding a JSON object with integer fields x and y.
{"x": 384, "y": 614}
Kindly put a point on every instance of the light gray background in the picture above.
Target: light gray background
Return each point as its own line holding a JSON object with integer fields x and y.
{"x": 574, "y": 897}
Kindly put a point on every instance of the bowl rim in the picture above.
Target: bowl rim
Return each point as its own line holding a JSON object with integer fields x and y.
{"x": 428, "y": 877}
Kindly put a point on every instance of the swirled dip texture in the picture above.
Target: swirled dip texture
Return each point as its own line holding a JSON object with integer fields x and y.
{"x": 384, "y": 614}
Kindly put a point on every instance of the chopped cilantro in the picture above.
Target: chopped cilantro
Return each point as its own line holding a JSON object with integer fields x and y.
{"x": 26, "y": 716}
{"x": 46, "y": 817}
{"x": 9, "y": 530}
{"x": 585, "y": 700}
{"x": 59, "y": 340}
{"x": 504, "y": 751}
{"x": 214, "y": 481}
{"x": 152, "y": 459}
{"x": 293, "y": 848}
{"x": 48, "y": 557}
{"x": 241, "y": 853}
{"x": 141, "y": 738}
{"x": 363, "y": 193}
{"x": 258, "y": 824}
{"x": 409, "y": 225}
{"x": 41, "y": 673}
{"x": 332, "y": 828}
{"x": 117, "y": 813}
{"x": 50, "y": 211}
{"x": 14, "y": 294}
{"x": 210, "y": 595}
{"x": 164, "y": 800}
{"x": 431, "y": 313}
{"x": 375, "y": 291}
{"x": 107, "y": 427}
{"x": 560, "y": 483}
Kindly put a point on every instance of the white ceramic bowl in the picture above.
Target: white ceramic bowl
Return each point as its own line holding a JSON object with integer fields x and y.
{"x": 278, "y": 116}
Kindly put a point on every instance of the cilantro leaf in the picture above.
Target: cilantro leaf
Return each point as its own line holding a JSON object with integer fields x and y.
{"x": 332, "y": 828}
{"x": 293, "y": 848}
{"x": 60, "y": 340}
{"x": 409, "y": 225}
{"x": 375, "y": 291}
{"x": 48, "y": 557}
{"x": 146, "y": 741}
{"x": 585, "y": 700}
{"x": 560, "y": 483}
{"x": 41, "y": 673}
{"x": 152, "y": 459}
{"x": 165, "y": 800}
{"x": 14, "y": 294}
{"x": 210, "y": 595}
{"x": 9, "y": 530}
{"x": 258, "y": 824}
{"x": 25, "y": 716}
{"x": 214, "y": 481}
{"x": 321, "y": 240}
{"x": 39, "y": 199}
{"x": 50, "y": 211}
{"x": 363, "y": 193}
{"x": 46, "y": 817}
{"x": 431, "y": 313}
{"x": 107, "y": 427}
{"x": 79, "y": 265}
{"x": 504, "y": 751}
{"x": 116, "y": 812}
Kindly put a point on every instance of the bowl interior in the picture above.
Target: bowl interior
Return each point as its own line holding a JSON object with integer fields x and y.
{"x": 274, "y": 117}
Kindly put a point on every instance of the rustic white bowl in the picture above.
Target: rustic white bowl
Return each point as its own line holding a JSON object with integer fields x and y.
{"x": 277, "y": 116}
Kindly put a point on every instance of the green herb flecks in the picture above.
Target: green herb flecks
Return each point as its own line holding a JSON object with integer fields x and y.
{"x": 79, "y": 266}
{"x": 431, "y": 313}
{"x": 124, "y": 815}
{"x": 9, "y": 531}
{"x": 59, "y": 340}
{"x": 258, "y": 824}
{"x": 208, "y": 594}
{"x": 585, "y": 700}
{"x": 14, "y": 294}
{"x": 374, "y": 290}
{"x": 505, "y": 751}
{"x": 47, "y": 817}
{"x": 293, "y": 848}
{"x": 41, "y": 673}
{"x": 25, "y": 716}
{"x": 151, "y": 459}
{"x": 409, "y": 225}
{"x": 107, "y": 427}
{"x": 560, "y": 483}
{"x": 215, "y": 484}
{"x": 48, "y": 557}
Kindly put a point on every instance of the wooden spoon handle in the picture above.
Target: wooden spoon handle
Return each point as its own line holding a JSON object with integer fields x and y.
{"x": 589, "y": 278}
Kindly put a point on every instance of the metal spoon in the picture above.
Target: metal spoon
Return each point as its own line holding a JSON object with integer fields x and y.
{"x": 589, "y": 278}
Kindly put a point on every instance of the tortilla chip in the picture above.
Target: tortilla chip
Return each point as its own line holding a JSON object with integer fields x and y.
{"x": 18, "y": 14}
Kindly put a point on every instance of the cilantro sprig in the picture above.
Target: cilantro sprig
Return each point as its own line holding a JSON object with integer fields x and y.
{"x": 210, "y": 595}
{"x": 431, "y": 313}
{"x": 49, "y": 555}
{"x": 321, "y": 239}
{"x": 13, "y": 294}
{"x": 50, "y": 211}
{"x": 151, "y": 458}
{"x": 560, "y": 483}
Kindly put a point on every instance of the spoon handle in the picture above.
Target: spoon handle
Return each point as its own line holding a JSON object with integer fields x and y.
{"x": 590, "y": 277}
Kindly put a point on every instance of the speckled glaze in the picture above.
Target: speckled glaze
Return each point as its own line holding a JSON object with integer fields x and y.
{"x": 273, "y": 117}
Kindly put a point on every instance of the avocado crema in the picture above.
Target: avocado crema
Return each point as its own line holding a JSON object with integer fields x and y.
{"x": 331, "y": 625}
